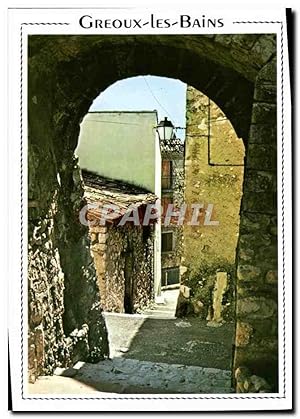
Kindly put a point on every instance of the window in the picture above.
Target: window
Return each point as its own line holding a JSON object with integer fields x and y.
{"x": 166, "y": 174}
{"x": 167, "y": 242}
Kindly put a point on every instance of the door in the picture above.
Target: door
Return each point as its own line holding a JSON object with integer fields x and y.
{"x": 128, "y": 270}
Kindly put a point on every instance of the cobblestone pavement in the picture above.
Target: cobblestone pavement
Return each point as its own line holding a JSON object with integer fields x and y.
{"x": 152, "y": 353}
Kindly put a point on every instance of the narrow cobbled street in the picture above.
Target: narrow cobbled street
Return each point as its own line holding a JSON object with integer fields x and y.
{"x": 152, "y": 352}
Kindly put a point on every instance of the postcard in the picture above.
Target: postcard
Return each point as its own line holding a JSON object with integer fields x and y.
{"x": 150, "y": 171}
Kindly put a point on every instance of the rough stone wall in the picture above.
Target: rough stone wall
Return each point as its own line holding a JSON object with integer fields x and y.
{"x": 257, "y": 319}
{"x": 47, "y": 345}
{"x": 213, "y": 175}
{"x": 65, "y": 323}
{"x": 109, "y": 246}
{"x": 66, "y": 73}
{"x": 98, "y": 237}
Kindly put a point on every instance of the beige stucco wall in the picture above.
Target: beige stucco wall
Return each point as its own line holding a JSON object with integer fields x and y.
{"x": 119, "y": 145}
{"x": 217, "y": 185}
{"x": 213, "y": 175}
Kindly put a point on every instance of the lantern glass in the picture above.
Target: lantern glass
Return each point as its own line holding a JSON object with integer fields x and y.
{"x": 165, "y": 130}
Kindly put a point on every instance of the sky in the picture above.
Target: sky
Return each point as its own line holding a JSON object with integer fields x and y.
{"x": 146, "y": 93}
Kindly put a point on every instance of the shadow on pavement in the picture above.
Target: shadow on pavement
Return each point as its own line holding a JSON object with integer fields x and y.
{"x": 183, "y": 341}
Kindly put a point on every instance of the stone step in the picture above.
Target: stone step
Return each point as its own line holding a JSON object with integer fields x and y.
{"x": 121, "y": 375}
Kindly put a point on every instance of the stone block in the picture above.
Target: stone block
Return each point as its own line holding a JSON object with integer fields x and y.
{"x": 36, "y": 312}
{"x": 265, "y": 92}
{"x": 263, "y": 134}
{"x": 247, "y": 383}
{"x": 243, "y": 335}
{"x": 99, "y": 248}
{"x": 246, "y": 254}
{"x": 198, "y": 306}
{"x": 185, "y": 291}
{"x": 268, "y": 73}
{"x": 254, "y": 222}
{"x": 262, "y": 157}
{"x": 264, "y": 48}
{"x": 248, "y": 273}
{"x": 260, "y": 181}
{"x": 94, "y": 238}
{"x": 260, "y": 202}
{"x": 268, "y": 345}
{"x": 100, "y": 265}
{"x": 261, "y": 362}
{"x": 271, "y": 277}
{"x": 256, "y": 308}
{"x": 219, "y": 290}
{"x": 224, "y": 40}
{"x": 101, "y": 238}
{"x": 264, "y": 328}
{"x": 255, "y": 241}
{"x": 99, "y": 229}
{"x": 244, "y": 41}
{"x": 264, "y": 113}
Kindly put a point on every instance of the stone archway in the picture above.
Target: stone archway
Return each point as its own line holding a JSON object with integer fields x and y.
{"x": 65, "y": 74}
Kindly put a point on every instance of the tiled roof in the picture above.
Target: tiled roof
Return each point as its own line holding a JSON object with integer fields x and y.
{"x": 102, "y": 191}
{"x": 172, "y": 146}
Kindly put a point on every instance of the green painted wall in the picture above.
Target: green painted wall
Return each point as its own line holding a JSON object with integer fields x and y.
{"x": 119, "y": 145}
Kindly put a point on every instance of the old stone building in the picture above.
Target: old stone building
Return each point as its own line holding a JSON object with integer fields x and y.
{"x": 172, "y": 182}
{"x": 65, "y": 74}
{"x": 122, "y": 251}
{"x": 214, "y": 168}
{"x": 123, "y": 145}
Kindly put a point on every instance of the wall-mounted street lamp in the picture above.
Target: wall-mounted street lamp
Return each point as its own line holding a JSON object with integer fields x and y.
{"x": 165, "y": 129}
